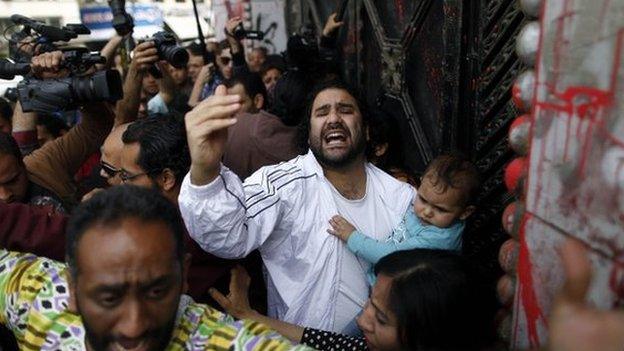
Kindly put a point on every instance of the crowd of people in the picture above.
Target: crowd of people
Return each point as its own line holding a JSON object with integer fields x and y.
{"x": 246, "y": 203}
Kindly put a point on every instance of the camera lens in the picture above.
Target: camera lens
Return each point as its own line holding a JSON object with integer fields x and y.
{"x": 177, "y": 56}
{"x": 102, "y": 86}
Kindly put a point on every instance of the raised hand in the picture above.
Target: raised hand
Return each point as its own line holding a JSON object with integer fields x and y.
{"x": 331, "y": 25}
{"x": 144, "y": 56}
{"x": 206, "y": 130}
{"x": 575, "y": 325}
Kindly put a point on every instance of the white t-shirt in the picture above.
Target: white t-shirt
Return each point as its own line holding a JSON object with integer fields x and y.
{"x": 352, "y": 290}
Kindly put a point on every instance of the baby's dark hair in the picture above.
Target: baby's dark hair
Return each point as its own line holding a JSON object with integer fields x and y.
{"x": 455, "y": 171}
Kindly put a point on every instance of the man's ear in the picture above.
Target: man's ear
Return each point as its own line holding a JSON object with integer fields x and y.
{"x": 467, "y": 212}
{"x": 167, "y": 180}
{"x": 186, "y": 263}
{"x": 258, "y": 101}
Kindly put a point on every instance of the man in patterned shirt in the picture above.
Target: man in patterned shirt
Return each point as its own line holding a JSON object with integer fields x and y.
{"x": 122, "y": 287}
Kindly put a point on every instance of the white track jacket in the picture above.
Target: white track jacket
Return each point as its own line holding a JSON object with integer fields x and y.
{"x": 283, "y": 210}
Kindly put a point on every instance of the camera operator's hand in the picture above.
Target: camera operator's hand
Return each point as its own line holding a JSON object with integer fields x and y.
{"x": 231, "y": 24}
{"x": 331, "y": 25}
{"x": 206, "y": 130}
{"x": 48, "y": 65}
{"x": 144, "y": 56}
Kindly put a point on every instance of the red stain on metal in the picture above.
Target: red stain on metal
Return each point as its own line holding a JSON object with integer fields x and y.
{"x": 400, "y": 7}
{"x": 530, "y": 304}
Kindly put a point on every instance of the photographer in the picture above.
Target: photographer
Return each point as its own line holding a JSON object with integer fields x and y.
{"x": 145, "y": 55}
{"x": 228, "y": 62}
{"x": 45, "y": 177}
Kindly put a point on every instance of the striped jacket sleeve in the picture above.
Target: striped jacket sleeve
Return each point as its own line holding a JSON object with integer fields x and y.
{"x": 230, "y": 219}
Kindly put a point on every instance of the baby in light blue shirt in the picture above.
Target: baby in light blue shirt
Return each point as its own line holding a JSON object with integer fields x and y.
{"x": 436, "y": 220}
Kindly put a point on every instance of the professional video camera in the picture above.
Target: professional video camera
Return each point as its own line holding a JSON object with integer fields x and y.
{"x": 303, "y": 53}
{"x": 241, "y": 33}
{"x": 39, "y": 37}
{"x": 51, "y": 95}
{"x": 57, "y": 94}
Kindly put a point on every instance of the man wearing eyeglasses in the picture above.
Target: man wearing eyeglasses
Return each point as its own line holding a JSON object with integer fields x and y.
{"x": 155, "y": 155}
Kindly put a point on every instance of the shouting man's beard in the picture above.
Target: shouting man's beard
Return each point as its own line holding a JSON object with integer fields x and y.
{"x": 158, "y": 338}
{"x": 339, "y": 132}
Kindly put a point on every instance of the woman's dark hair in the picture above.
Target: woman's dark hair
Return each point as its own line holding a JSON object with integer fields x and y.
{"x": 110, "y": 207}
{"x": 438, "y": 302}
{"x": 162, "y": 141}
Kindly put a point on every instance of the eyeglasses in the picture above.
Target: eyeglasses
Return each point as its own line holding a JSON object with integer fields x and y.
{"x": 225, "y": 60}
{"x": 109, "y": 170}
{"x": 126, "y": 177}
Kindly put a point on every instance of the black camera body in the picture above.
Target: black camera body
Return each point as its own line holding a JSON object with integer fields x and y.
{"x": 169, "y": 50}
{"x": 52, "y": 95}
{"x": 122, "y": 21}
{"x": 241, "y": 33}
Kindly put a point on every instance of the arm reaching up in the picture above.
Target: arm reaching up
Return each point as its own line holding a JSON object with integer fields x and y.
{"x": 573, "y": 324}
{"x": 145, "y": 55}
{"x": 206, "y": 130}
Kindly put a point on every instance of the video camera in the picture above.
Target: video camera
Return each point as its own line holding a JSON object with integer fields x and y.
{"x": 241, "y": 33}
{"x": 43, "y": 36}
{"x": 303, "y": 54}
{"x": 53, "y": 95}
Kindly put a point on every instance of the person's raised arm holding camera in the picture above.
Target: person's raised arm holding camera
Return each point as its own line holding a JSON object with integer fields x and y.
{"x": 145, "y": 55}
{"x": 238, "y": 53}
{"x": 50, "y": 169}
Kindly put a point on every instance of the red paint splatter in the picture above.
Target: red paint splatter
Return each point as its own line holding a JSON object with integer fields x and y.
{"x": 400, "y": 6}
{"x": 528, "y": 298}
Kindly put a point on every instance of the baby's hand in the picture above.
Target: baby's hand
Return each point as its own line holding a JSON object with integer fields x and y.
{"x": 340, "y": 228}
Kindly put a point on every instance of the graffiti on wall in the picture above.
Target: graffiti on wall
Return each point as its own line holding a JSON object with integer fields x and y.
{"x": 575, "y": 185}
{"x": 266, "y": 16}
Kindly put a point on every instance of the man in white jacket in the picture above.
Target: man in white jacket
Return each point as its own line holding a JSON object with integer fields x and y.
{"x": 284, "y": 210}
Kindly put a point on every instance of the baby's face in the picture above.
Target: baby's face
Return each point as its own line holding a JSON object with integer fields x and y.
{"x": 439, "y": 208}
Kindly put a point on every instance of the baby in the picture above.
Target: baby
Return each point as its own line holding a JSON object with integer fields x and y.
{"x": 436, "y": 221}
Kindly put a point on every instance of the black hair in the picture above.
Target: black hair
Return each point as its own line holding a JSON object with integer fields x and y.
{"x": 162, "y": 142}
{"x": 6, "y": 112}
{"x": 436, "y": 300}
{"x": 8, "y": 146}
{"x": 251, "y": 81}
{"x": 289, "y": 97}
{"x": 109, "y": 207}
{"x": 195, "y": 49}
{"x": 384, "y": 129}
{"x": 456, "y": 171}
{"x": 53, "y": 124}
{"x": 269, "y": 65}
{"x": 304, "y": 125}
